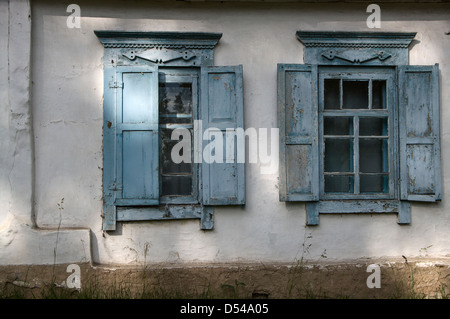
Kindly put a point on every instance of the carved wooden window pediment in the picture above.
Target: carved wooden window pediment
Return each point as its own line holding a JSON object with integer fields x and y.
{"x": 355, "y": 48}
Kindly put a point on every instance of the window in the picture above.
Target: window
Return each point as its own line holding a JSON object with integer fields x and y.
{"x": 178, "y": 107}
{"x": 156, "y": 83}
{"x": 356, "y": 118}
{"x": 359, "y": 128}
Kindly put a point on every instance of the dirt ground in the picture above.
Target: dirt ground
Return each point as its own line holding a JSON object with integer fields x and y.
{"x": 399, "y": 279}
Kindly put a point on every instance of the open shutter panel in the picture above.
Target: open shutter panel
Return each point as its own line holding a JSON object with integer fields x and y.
{"x": 137, "y": 156}
{"x": 420, "y": 167}
{"x": 222, "y": 109}
{"x": 298, "y": 123}
{"x": 130, "y": 140}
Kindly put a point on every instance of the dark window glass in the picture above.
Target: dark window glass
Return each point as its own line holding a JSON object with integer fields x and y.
{"x": 373, "y": 155}
{"x": 331, "y": 94}
{"x": 355, "y": 94}
{"x": 339, "y": 184}
{"x": 175, "y": 108}
{"x": 175, "y": 103}
{"x": 373, "y": 126}
{"x": 375, "y": 183}
{"x": 338, "y": 155}
{"x": 378, "y": 94}
{"x": 338, "y": 125}
{"x": 176, "y": 185}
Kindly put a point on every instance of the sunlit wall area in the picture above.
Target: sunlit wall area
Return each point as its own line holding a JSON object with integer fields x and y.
{"x": 67, "y": 107}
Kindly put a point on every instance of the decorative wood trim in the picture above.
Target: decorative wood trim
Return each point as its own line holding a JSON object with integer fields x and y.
{"x": 159, "y": 55}
{"x": 331, "y": 54}
{"x": 344, "y": 48}
{"x": 161, "y": 48}
{"x": 149, "y": 40}
{"x": 355, "y": 39}
{"x": 158, "y": 35}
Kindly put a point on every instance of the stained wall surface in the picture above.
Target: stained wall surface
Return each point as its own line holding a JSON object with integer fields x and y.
{"x": 67, "y": 112}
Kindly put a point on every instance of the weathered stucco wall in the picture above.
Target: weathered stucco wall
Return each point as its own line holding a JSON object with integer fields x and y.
{"x": 4, "y": 97}
{"x": 21, "y": 241}
{"x": 67, "y": 88}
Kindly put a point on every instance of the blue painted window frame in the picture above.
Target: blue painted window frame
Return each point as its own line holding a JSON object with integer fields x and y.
{"x": 414, "y": 169}
{"x": 143, "y": 52}
{"x": 370, "y": 74}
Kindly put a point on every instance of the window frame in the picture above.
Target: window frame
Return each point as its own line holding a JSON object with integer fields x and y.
{"x": 182, "y": 75}
{"x": 361, "y": 73}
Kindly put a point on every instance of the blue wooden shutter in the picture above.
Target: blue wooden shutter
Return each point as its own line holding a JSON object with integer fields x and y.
{"x": 298, "y": 123}
{"x": 420, "y": 169}
{"x": 131, "y": 151}
{"x": 222, "y": 108}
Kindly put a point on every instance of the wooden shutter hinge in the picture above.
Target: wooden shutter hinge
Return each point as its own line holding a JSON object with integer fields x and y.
{"x": 115, "y": 187}
{"x": 115, "y": 85}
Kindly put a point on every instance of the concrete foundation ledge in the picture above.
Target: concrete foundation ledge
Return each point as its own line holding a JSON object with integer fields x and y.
{"x": 21, "y": 244}
{"x": 367, "y": 279}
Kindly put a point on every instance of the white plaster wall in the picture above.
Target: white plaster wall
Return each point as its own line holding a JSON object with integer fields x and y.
{"x": 67, "y": 118}
{"x": 5, "y": 156}
{"x": 21, "y": 242}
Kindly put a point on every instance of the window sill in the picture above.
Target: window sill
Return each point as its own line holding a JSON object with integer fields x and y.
{"x": 167, "y": 212}
{"x": 313, "y": 209}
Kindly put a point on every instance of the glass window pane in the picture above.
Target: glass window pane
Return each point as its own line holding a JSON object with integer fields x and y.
{"x": 355, "y": 94}
{"x": 373, "y": 156}
{"x": 338, "y": 125}
{"x": 338, "y": 155}
{"x": 175, "y": 119}
{"x": 176, "y": 185}
{"x": 373, "y": 126}
{"x": 378, "y": 94}
{"x": 339, "y": 184}
{"x": 331, "y": 94}
{"x": 374, "y": 183}
{"x": 175, "y": 98}
{"x": 167, "y": 164}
